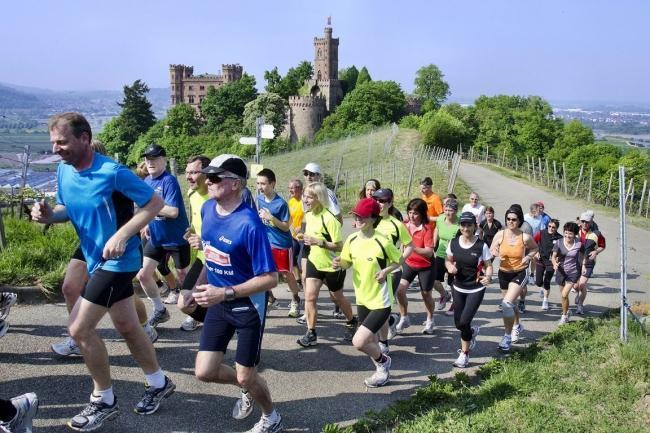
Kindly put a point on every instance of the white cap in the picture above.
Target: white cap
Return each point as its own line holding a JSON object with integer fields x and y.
{"x": 313, "y": 167}
{"x": 586, "y": 216}
{"x": 590, "y": 212}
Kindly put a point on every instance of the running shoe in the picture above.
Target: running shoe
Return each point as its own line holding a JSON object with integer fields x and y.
{"x": 404, "y": 322}
{"x": 243, "y": 406}
{"x": 381, "y": 375}
{"x": 564, "y": 319}
{"x": 429, "y": 327}
{"x": 172, "y": 298}
{"x": 151, "y": 332}
{"x": 67, "y": 347}
{"x": 499, "y": 307}
{"x": 545, "y": 306}
{"x": 7, "y": 300}
{"x": 294, "y": 309}
{"x": 309, "y": 339}
{"x": 4, "y": 327}
{"x": 579, "y": 309}
{"x": 384, "y": 348}
{"x": 26, "y": 407}
{"x": 516, "y": 332}
{"x": 442, "y": 302}
{"x": 93, "y": 416}
{"x": 462, "y": 361}
{"x": 521, "y": 306}
{"x": 392, "y": 325}
{"x": 153, "y": 397}
{"x": 265, "y": 425}
{"x": 350, "y": 329}
{"x": 338, "y": 314}
{"x": 450, "y": 312}
{"x": 189, "y": 324}
{"x": 272, "y": 304}
{"x": 506, "y": 341}
{"x": 163, "y": 287}
{"x": 541, "y": 293}
{"x": 159, "y": 317}
{"x": 475, "y": 331}
{"x": 302, "y": 319}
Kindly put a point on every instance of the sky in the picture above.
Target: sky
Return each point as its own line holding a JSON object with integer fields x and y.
{"x": 562, "y": 50}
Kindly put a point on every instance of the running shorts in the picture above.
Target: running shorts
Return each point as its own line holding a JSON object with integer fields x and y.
{"x": 519, "y": 277}
{"x": 224, "y": 319}
{"x": 105, "y": 288}
{"x": 372, "y": 319}
{"x": 425, "y": 276}
{"x": 180, "y": 254}
{"x": 562, "y": 278}
{"x": 333, "y": 280}
{"x": 283, "y": 259}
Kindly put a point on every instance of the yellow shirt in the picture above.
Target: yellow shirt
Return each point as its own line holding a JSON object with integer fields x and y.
{"x": 394, "y": 229}
{"x": 196, "y": 203}
{"x": 321, "y": 257}
{"x": 296, "y": 214}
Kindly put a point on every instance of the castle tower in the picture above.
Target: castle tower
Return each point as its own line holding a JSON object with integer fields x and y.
{"x": 177, "y": 75}
{"x": 231, "y": 73}
{"x": 325, "y": 81}
{"x": 306, "y": 114}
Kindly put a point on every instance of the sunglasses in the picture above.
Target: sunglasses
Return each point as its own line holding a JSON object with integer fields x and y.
{"x": 583, "y": 221}
{"x": 215, "y": 178}
{"x": 309, "y": 173}
{"x": 512, "y": 219}
{"x": 382, "y": 201}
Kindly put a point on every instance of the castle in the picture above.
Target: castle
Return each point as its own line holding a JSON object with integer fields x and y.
{"x": 306, "y": 113}
{"x": 191, "y": 89}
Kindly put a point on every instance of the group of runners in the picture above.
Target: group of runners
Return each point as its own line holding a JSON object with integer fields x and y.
{"x": 130, "y": 228}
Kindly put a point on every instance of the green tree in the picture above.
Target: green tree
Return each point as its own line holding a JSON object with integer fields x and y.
{"x": 223, "y": 107}
{"x": 348, "y": 78}
{"x": 111, "y": 137}
{"x": 290, "y": 84}
{"x": 430, "y": 87}
{"x": 363, "y": 77}
{"x": 270, "y": 105}
{"x": 573, "y": 135}
{"x": 182, "y": 119}
{"x": 441, "y": 129}
{"x": 273, "y": 81}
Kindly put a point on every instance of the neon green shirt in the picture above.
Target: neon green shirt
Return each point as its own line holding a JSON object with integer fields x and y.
{"x": 321, "y": 257}
{"x": 367, "y": 259}
{"x": 446, "y": 232}
{"x": 394, "y": 229}
{"x": 196, "y": 203}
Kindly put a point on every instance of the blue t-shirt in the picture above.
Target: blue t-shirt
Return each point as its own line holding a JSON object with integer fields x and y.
{"x": 168, "y": 232}
{"x": 279, "y": 209}
{"x": 99, "y": 200}
{"x": 236, "y": 249}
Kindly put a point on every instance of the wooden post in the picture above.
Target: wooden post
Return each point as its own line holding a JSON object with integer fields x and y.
{"x": 631, "y": 195}
{"x": 408, "y": 188}
{"x": 516, "y": 164}
{"x": 338, "y": 174}
{"x": 540, "y": 170}
{"x": 548, "y": 174}
{"x": 347, "y": 186}
{"x": 527, "y": 167}
{"x": 591, "y": 178}
{"x": 394, "y": 170}
{"x": 555, "y": 182}
{"x": 645, "y": 185}
{"x": 503, "y": 158}
{"x": 609, "y": 188}
{"x": 582, "y": 167}
{"x": 487, "y": 153}
{"x": 566, "y": 189}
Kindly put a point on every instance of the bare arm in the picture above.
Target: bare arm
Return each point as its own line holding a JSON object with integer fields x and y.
{"x": 43, "y": 213}
{"x": 168, "y": 212}
{"x": 207, "y": 295}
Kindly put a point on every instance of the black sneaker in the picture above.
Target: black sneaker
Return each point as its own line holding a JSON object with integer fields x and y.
{"x": 93, "y": 416}
{"x": 350, "y": 329}
{"x": 309, "y": 339}
{"x": 153, "y": 396}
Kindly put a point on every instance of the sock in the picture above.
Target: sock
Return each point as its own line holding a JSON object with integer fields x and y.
{"x": 106, "y": 396}
{"x": 156, "y": 379}
{"x": 312, "y": 331}
{"x": 158, "y": 303}
{"x": 7, "y": 410}
{"x": 466, "y": 352}
{"x": 273, "y": 416}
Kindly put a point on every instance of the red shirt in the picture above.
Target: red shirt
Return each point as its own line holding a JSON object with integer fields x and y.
{"x": 422, "y": 238}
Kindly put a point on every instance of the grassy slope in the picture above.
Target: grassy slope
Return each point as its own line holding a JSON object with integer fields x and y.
{"x": 577, "y": 379}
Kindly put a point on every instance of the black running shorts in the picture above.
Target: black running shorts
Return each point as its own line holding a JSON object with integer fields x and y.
{"x": 520, "y": 277}
{"x": 372, "y": 319}
{"x": 333, "y": 280}
{"x": 105, "y": 288}
{"x": 181, "y": 254}
{"x": 425, "y": 276}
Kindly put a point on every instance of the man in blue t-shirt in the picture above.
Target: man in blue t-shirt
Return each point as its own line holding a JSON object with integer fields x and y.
{"x": 165, "y": 233}
{"x": 107, "y": 230}
{"x": 274, "y": 213}
{"x": 240, "y": 270}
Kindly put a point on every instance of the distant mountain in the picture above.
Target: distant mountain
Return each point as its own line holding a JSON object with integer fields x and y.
{"x": 12, "y": 98}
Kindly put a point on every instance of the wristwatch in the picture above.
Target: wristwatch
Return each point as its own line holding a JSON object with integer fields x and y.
{"x": 230, "y": 293}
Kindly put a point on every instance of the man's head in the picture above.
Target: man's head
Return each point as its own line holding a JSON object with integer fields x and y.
{"x": 70, "y": 135}
{"x": 534, "y": 209}
{"x": 312, "y": 173}
{"x": 156, "y": 159}
{"x": 295, "y": 189}
{"x": 195, "y": 178}
{"x": 473, "y": 199}
{"x": 425, "y": 185}
{"x": 266, "y": 181}
{"x": 226, "y": 176}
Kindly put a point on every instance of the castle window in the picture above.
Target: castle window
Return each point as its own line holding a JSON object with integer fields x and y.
{"x": 172, "y": 87}
{"x": 318, "y": 77}
{"x": 190, "y": 88}
{"x": 201, "y": 87}
{"x": 190, "y": 99}
{"x": 201, "y": 98}
{"x": 320, "y": 53}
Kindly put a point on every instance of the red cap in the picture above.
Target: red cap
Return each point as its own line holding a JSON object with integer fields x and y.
{"x": 366, "y": 208}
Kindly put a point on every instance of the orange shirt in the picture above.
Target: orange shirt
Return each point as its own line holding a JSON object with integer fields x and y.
{"x": 434, "y": 207}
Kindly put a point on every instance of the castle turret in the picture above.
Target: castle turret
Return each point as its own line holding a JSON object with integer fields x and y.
{"x": 177, "y": 74}
{"x": 326, "y": 57}
{"x": 231, "y": 73}
{"x": 306, "y": 114}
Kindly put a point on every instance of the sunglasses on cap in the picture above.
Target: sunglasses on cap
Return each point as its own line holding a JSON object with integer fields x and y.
{"x": 382, "y": 200}
{"x": 309, "y": 173}
{"x": 215, "y": 178}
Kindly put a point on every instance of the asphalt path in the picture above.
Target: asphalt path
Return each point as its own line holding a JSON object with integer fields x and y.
{"x": 312, "y": 386}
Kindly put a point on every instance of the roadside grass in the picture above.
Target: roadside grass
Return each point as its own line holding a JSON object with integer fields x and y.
{"x": 579, "y": 378}
{"x": 34, "y": 258}
{"x": 632, "y": 218}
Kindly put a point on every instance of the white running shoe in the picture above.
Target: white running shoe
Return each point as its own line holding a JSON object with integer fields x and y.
{"x": 580, "y": 310}
{"x": 294, "y": 309}
{"x": 7, "y": 300}
{"x": 159, "y": 317}
{"x": 302, "y": 319}
{"x": 475, "y": 331}
{"x": 26, "y": 407}
{"x": 516, "y": 332}
{"x": 67, "y": 347}
{"x": 172, "y": 298}
{"x": 381, "y": 376}
{"x": 404, "y": 322}
{"x": 384, "y": 348}
{"x": 506, "y": 341}
{"x": 151, "y": 332}
{"x": 429, "y": 327}
{"x": 442, "y": 302}
{"x": 392, "y": 329}
{"x": 189, "y": 324}
{"x": 462, "y": 361}
{"x": 545, "y": 306}
{"x": 243, "y": 406}
{"x": 265, "y": 425}
{"x": 564, "y": 319}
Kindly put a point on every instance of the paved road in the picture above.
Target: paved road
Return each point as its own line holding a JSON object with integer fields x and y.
{"x": 312, "y": 387}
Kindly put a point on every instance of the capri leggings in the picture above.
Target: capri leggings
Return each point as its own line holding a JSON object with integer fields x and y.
{"x": 544, "y": 273}
{"x": 465, "y": 307}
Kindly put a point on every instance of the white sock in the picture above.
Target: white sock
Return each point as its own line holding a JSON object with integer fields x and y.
{"x": 273, "y": 416}
{"x": 157, "y": 303}
{"x": 156, "y": 379}
{"x": 106, "y": 396}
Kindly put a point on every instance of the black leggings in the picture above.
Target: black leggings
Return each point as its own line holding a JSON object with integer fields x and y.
{"x": 465, "y": 307}
{"x": 544, "y": 273}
